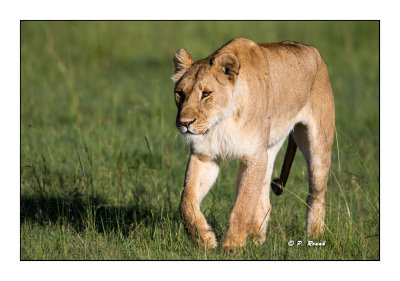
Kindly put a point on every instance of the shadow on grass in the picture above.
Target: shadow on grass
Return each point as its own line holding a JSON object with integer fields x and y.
{"x": 81, "y": 212}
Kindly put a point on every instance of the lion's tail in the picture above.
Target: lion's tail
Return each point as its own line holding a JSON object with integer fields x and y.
{"x": 277, "y": 185}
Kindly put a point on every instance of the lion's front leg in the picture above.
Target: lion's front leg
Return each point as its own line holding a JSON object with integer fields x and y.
{"x": 250, "y": 181}
{"x": 201, "y": 173}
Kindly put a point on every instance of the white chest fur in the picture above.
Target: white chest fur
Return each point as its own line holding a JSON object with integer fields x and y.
{"x": 225, "y": 140}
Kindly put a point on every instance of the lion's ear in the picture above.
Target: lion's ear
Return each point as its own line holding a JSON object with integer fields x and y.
{"x": 182, "y": 60}
{"x": 229, "y": 65}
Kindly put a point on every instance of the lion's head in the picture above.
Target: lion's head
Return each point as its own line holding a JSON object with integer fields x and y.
{"x": 204, "y": 91}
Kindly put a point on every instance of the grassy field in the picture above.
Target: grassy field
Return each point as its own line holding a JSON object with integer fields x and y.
{"x": 102, "y": 165}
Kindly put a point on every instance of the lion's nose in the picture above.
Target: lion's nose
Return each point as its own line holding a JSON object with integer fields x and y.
{"x": 186, "y": 123}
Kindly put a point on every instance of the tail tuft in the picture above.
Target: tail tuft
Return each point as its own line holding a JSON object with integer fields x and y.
{"x": 277, "y": 186}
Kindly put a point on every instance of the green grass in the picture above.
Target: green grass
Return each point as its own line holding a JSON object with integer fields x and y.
{"x": 102, "y": 165}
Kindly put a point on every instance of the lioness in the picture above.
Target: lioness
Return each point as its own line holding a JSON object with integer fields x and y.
{"x": 243, "y": 101}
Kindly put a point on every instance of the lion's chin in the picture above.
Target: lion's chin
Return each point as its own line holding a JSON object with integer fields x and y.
{"x": 192, "y": 138}
{"x": 196, "y": 135}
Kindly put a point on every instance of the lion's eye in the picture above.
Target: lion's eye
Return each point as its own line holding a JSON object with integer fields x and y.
{"x": 205, "y": 94}
{"x": 179, "y": 96}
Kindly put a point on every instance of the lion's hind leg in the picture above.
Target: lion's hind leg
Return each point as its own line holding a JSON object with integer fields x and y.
{"x": 314, "y": 137}
{"x": 318, "y": 162}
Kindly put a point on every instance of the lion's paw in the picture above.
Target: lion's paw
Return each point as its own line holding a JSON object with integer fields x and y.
{"x": 208, "y": 240}
{"x": 231, "y": 245}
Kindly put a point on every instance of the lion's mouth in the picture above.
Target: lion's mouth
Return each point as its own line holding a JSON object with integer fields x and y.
{"x": 205, "y": 132}
{"x": 192, "y": 130}
{"x": 194, "y": 133}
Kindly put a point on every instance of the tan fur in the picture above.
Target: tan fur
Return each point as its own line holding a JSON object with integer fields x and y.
{"x": 242, "y": 101}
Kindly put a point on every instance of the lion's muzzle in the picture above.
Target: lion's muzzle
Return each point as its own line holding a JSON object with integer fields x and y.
{"x": 184, "y": 126}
